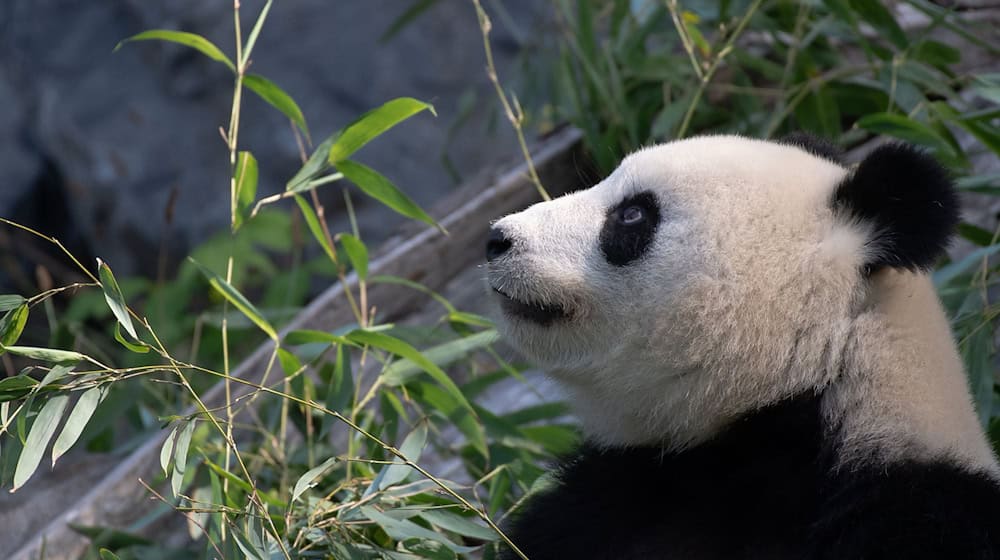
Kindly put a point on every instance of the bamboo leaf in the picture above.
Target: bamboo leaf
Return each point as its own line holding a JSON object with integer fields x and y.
{"x": 905, "y": 128}
{"x": 77, "y": 421}
{"x": 246, "y": 184}
{"x": 113, "y": 295}
{"x": 277, "y": 98}
{"x": 9, "y": 301}
{"x": 411, "y": 448}
{"x": 315, "y": 228}
{"x": 12, "y": 388}
{"x": 950, "y": 271}
{"x": 181, "y": 457}
{"x": 255, "y": 32}
{"x": 400, "y": 372}
{"x": 140, "y": 348}
{"x": 167, "y": 451}
{"x": 192, "y": 40}
{"x": 357, "y": 253}
{"x": 308, "y": 480}
{"x": 45, "y": 354}
{"x": 38, "y": 439}
{"x": 378, "y": 187}
{"x": 316, "y": 163}
{"x": 12, "y": 324}
{"x": 57, "y": 372}
{"x": 374, "y": 123}
{"x": 404, "y": 350}
{"x": 237, "y": 299}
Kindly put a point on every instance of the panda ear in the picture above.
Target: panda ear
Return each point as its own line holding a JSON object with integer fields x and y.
{"x": 907, "y": 199}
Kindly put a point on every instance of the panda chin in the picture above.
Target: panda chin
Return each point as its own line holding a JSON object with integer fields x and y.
{"x": 538, "y": 313}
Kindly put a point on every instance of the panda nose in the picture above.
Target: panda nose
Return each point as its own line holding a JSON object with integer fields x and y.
{"x": 496, "y": 244}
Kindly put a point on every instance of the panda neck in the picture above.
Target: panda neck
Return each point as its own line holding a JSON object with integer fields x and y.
{"x": 902, "y": 391}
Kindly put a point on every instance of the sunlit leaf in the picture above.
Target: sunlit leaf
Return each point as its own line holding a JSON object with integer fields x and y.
{"x": 277, "y": 98}
{"x": 38, "y": 439}
{"x": 77, "y": 421}
{"x": 237, "y": 299}
{"x": 113, "y": 295}
{"x": 57, "y": 372}
{"x": 12, "y": 324}
{"x": 378, "y": 187}
{"x": 402, "y": 529}
{"x": 372, "y": 124}
{"x": 192, "y": 40}
{"x": 316, "y": 163}
{"x": 458, "y": 524}
{"x": 140, "y": 348}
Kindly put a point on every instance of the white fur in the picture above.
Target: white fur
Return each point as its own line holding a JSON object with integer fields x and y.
{"x": 750, "y": 293}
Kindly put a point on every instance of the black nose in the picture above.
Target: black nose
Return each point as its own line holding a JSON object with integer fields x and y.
{"x": 496, "y": 244}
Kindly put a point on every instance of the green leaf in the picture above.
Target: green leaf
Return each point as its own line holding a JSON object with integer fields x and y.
{"x": 12, "y": 324}
{"x": 140, "y": 348}
{"x": 404, "y": 350}
{"x": 402, "y": 529}
{"x": 8, "y": 302}
{"x": 316, "y": 163}
{"x": 308, "y": 336}
{"x": 77, "y": 421}
{"x": 113, "y": 295}
{"x": 38, "y": 439}
{"x": 255, "y": 32}
{"x": 357, "y": 253}
{"x": 108, "y": 555}
{"x": 904, "y": 128}
{"x": 458, "y": 524}
{"x": 12, "y": 388}
{"x": 411, "y": 448}
{"x": 402, "y": 371}
{"x": 374, "y": 123}
{"x": 57, "y": 372}
{"x": 290, "y": 363}
{"x": 246, "y": 184}
{"x": 167, "y": 451}
{"x": 192, "y": 40}
{"x": 45, "y": 354}
{"x": 181, "y": 457}
{"x": 878, "y": 16}
{"x": 418, "y": 7}
{"x": 237, "y": 299}
{"x": 950, "y": 271}
{"x": 277, "y": 98}
{"x": 381, "y": 189}
{"x": 308, "y": 480}
{"x": 314, "y": 226}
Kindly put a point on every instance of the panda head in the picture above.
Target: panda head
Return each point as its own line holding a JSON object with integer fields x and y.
{"x": 707, "y": 277}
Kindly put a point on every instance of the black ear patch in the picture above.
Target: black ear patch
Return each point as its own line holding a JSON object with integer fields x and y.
{"x": 909, "y": 199}
{"x": 814, "y": 145}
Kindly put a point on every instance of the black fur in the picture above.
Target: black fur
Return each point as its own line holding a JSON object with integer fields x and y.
{"x": 765, "y": 488}
{"x": 815, "y": 145}
{"x": 623, "y": 243}
{"x": 910, "y": 200}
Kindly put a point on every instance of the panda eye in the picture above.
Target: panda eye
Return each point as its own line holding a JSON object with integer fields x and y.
{"x": 630, "y": 228}
{"x": 632, "y": 215}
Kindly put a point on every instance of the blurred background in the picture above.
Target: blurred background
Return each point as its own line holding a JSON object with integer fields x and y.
{"x": 338, "y": 298}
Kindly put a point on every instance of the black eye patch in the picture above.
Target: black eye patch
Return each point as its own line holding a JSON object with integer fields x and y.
{"x": 629, "y": 228}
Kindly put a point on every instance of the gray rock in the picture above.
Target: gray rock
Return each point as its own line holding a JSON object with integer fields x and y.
{"x": 126, "y": 130}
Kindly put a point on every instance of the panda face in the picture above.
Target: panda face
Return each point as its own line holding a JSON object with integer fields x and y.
{"x": 683, "y": 289}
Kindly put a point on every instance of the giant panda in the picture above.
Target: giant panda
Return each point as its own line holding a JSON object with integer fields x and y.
{"x": 762, "y": 369}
